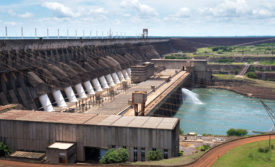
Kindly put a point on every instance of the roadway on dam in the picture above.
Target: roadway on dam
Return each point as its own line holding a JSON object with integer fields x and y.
{"x": 120, "y": 103}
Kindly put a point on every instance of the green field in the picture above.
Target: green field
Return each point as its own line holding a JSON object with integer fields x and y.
{"x": 261, "y": 49}
{"x": 256, "y": 82}
{"x": 248, "y": 156}
{"x": 267, "y": 49}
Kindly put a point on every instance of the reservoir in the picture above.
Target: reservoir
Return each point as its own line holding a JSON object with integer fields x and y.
{"x": 214, "y": 111}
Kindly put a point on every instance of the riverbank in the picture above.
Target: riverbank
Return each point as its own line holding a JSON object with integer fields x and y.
{"x": 245, "y": 86}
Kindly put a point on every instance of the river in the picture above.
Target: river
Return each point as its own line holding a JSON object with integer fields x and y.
{"x": 219, "y": 110}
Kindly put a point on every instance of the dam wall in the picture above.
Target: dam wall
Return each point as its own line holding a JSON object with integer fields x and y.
{"x": 38, "y": 73}
{"x": 198, "y": 68}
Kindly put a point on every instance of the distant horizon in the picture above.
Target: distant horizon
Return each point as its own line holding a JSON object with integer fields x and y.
{"x": 125, "y": 37}
{"x": 183, "y": 18}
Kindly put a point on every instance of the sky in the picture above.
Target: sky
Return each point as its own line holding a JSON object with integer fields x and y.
{"x": 161, "y": 17}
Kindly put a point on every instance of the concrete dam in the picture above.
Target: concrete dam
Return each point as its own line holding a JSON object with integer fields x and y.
{"x": 127, "y": 80}
{"x": 40, "y": 73}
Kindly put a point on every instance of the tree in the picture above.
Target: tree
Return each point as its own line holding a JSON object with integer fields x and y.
{"x": 4, "y": 149}
{"x": 251, "y": 75}
{"x": 236, "y": 132}
{"x": 115, "y": 156}
{"x": 154, "y": 155}
{"x": 181, "y": 132}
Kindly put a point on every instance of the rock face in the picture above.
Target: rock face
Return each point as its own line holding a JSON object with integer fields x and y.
{"x": 27, "y": 74}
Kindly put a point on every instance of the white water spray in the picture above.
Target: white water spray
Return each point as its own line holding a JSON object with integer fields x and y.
{"x": 191, "y": 96}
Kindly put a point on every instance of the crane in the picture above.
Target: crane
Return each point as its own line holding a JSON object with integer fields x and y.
{"x": 270, "y": 113}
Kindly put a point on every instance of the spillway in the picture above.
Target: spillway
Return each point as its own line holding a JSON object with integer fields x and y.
{"x": 46, "y": 103}
{"x": 121, "y": 77}
{"x": 97, "y": 85}
{"x": 88, "y": 86}
{"x": 125, "y": 74}
{"x": 110, "y": 80}
{"x": 129, "y": 71}
{"x": 80, "y": 91}
{"x": 52, "y": 65}
{"x": 104, "y": 82}
{"x": 70, "y": 94}
{"x": 115, "y": 77}
{"x": 59, "y": 98}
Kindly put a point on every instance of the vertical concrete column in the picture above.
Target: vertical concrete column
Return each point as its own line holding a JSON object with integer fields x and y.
{"x": 59, "y": 98}
{"x": 46, "y": 103}
{"x": 97, "y": 85}
{"x": 70, "y": 94}
{"x": 103, "y": 82}
{"x": 115, "y": 77}
{"x": 125, "y": 74}
{"x": 121, "y": 77}
{"x": 88, "y": 86}
{"x": 80, "y": 91}
{"x": 110, "y": 80}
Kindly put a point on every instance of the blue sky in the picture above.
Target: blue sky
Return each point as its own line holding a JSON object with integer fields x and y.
{"x": 161, "y": 17}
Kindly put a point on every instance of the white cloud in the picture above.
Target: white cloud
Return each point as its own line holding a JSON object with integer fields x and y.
{"x": 23, "y": 15}
{"x": 228, "y": 8}
{"x": 262, "y": 13}
{"x": 60, "y": 9}
{"x": 142, "y": 9}
{"x": 11, "y": 23}
{"x": 183, "y": 12}
{"x": 100, "y": 11}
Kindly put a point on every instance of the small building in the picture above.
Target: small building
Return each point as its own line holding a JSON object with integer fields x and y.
{"x": 88, "y": 136}
{"x": 142, "y": 72}
{"x": 60, "y": 152}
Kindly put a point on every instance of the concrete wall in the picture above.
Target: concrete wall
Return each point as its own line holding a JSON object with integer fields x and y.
{"x": 201, "y": 75}
{"x": 170, "y": 64}
{"x": 54, "y": 154}
{"x": 35, "y": 136}
{"x": 64, "y": 43}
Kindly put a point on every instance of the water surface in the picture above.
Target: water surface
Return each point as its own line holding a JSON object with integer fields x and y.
{"x": 222, "y": 110}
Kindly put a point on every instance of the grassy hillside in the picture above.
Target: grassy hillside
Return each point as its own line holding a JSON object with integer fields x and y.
{"x": 248, "y": 156}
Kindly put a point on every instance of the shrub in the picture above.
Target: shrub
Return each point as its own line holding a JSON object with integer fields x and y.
{"x": 4, "y": 149}
{"x": 236, "y": 132}
{"x": 181, "y": 132}
{"x": 154, "y": 155}
{"x": 180, "y": 153}
{"x": 224, "y": 60}
{"x": 204, "y": 147}
{"x": 252, "y": 69}
{"x": 251, "y": 75}
{"x": 263, "y": 150}
{"x": 115, "y": 156}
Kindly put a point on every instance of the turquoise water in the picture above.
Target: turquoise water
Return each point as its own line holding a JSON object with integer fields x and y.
{"x": 222, "y": 110}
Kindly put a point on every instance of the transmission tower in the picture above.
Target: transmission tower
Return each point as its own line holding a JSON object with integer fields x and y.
{"x": 270, "y": 113}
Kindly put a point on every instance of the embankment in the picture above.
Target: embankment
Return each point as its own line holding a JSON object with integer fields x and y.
{"x": 247, "y": 87}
